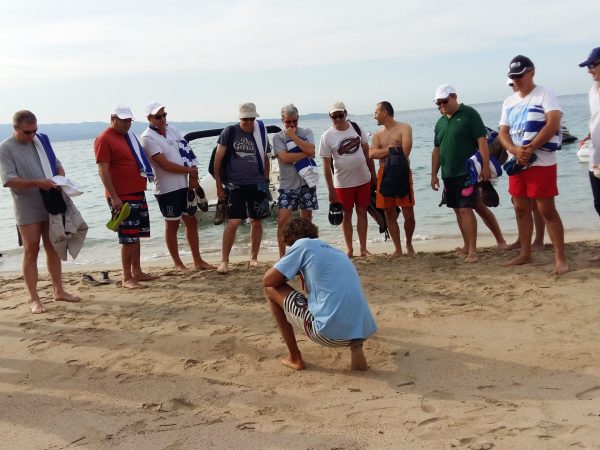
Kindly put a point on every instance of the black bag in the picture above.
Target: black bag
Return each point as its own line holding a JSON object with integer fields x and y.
{"x": 489, "y": 196}
{"x": 54, "y": 201}
{"x": 395, "y": 181}
{"x": 225, "y": 161}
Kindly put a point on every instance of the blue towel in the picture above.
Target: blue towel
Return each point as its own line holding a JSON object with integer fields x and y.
{"x": 138, "y": 154}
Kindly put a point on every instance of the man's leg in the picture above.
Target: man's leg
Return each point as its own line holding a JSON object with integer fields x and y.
{"x": 539, "y": 227}
{"x": 128, "y": 255}
{"x": 391, "y": 218}
{"x": 54, "y": 266}
{"x": 525, "y": 226}
{"x": 347, "y": 230}
{"x": 30, "y": 235}
{"x": 171, "y": 227}
{"x": 489, "y": 219}
{"x": 361, "y": 228}
{"x": 191, "y": 234}
{"x": 276, "y": 296}
{"x": 556, "y": 232}
{"x": 283, "y": 215}
{"x": 256, "y": 232}
{"x": 464, "y": 250}
{"x": 595, "y": 183}
{"x": 136, "y": 267}
{"x": 228, "y": 239}
{"x": 408, "y": 212}
{"x": 469, "y": 227}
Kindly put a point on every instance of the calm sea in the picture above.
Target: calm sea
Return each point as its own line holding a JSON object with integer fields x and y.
{"x": 574, "y": 202}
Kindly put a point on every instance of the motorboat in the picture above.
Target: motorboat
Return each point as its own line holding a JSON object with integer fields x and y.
{"x": 584, "y": 151}
{"x": 567, "y": 137}
{"x": 209, "y": 184}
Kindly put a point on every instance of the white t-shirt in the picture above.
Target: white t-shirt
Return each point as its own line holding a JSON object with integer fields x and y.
{"x": 518, "y": 113}
{"x": 594, "y": 98}
{"x": 154, "y": 143}
{"x": 348, "y": 158}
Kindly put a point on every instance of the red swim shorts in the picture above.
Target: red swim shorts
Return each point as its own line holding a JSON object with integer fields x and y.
{"x": 357, "y": 195}
{"x": 535, "y": 182}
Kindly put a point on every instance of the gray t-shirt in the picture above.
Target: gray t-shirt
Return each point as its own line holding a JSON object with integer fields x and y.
{"x": 288, "y": 175}
{"x": 243, "y": 165}
{"x": 22, "y": 160}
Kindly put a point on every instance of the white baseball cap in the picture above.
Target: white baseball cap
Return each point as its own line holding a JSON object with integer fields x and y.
{"x": 122, "y": 112}
{"x": 443, "y": 91}
{"x": 248, "y": 111}
{"x": 337, "y": 106}
{"x": 153, "y": 108}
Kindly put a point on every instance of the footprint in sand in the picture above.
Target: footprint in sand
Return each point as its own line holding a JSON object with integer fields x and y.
{"x": 176, "y": 404}
{"x": 246, "y": 426}
{"x": 589, "y": 394}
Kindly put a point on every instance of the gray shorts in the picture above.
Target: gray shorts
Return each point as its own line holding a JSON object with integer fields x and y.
{"x": 295, "y": 306}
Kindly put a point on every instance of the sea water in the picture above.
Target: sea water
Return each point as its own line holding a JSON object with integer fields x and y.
{"x": 433, "y": 223}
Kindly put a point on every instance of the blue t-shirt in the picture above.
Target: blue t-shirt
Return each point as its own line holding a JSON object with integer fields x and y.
{"x": 335, "y": 295}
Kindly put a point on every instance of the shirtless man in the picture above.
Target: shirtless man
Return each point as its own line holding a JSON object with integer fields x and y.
{"x": 393, "y": 134}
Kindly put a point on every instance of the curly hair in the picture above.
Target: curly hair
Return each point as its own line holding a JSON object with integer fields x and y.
{"x": 298, "y": 228}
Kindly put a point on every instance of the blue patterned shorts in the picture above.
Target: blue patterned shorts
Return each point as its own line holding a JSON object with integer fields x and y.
{"x": 303, "y": 197}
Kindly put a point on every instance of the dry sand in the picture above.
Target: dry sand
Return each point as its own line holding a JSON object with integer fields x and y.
{"x": 466, "y": 356}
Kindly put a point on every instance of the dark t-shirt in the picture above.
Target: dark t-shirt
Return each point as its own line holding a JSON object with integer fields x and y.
{"x": 243, "y": 167}
{"x": 456, "y": 137}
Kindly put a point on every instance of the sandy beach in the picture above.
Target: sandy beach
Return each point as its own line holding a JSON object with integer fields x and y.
{"x": 466, "y": 356}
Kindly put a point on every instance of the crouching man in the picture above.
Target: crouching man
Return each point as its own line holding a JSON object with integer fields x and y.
{"x": 336, "y": 313}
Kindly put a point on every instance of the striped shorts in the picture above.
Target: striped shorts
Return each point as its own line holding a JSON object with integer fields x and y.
{"x": 296, "y": 310}
{"x": 137, "y": 225}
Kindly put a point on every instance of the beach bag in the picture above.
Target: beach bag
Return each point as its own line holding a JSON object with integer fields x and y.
{"x": 489, "y": 196}
{"x": 225, "y": 162}
{"x": 396, "y": 174}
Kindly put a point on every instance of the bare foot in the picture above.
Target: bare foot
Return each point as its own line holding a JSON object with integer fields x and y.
{"x": 357, "y": 357}
{"x": 502, "y": 246}
{"x": 471, "y": 258}
{"x": 182, "y": 268}
{"x": 145, "y": 277}
{"x": 410, "y": 251}
{"x": 204, "y": 266}
{"x": 297, "y": 364}
{"x": 537, "y": 247}
{"x": 37, "y": 307}
{"x": 518, "y": 260}
{"x": 561, "y": 267}
{"x": 223, "y": 268}
{"x": 365, "y": 252}
{"x": 350, "y": 253}
{"x": 66, "y": 297}
{"x": 515, "y": 245}
{"x": 461, "y": 250}
{"x": 133, "y": 284}
{"x": 594, "y": 259}
{"x": 397, "y": 253}
{"x": 253, "y": 263}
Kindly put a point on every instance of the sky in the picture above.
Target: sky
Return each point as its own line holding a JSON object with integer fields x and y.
{"x": 73, "y": 61}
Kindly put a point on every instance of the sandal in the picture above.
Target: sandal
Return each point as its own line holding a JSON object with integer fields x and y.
{"x": 104, "y": 278}
{"x": 118, "y": 217}
{"x": 201, "y": 199}
{"x": 86, "y": 278}
{"x": 192, "y": 204}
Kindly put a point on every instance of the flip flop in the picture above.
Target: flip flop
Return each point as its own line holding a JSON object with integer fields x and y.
{"x": 86, "y": 278}
{"x": 118, "y": 217}
{"x": 201, "y": 199}
{"x": 192, "y": 204}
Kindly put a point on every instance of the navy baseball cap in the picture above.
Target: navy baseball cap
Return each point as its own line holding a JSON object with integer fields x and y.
{"x": 594, "y": 56}
{"x": 336, "y": 213}
{"x": 519, "y": 65}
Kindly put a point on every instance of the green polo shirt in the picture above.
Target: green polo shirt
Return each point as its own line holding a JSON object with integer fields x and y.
{"x": 456, "y": 137}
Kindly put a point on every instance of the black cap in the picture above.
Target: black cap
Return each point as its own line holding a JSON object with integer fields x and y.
{"x": 519, "y": 65}
{"x": 336, "y": 213}
{"x": 594, "y": 56}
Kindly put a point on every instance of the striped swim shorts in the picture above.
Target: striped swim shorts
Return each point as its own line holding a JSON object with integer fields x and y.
{"x": 295, "y": 306}
{"x": 137, "y": 225}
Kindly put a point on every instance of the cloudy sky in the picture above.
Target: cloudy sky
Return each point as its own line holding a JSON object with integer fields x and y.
{"x": 72, "y": 61}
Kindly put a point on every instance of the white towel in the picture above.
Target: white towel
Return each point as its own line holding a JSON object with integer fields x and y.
{"x": 43, "y": 157}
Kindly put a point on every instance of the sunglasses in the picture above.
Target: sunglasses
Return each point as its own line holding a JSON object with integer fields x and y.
{"x": 248, "y": 119}
{"x": 593, "y": 65}
{"x": 442, "y": 102}
{"x": 337, "y": 116}
{"x": 160, "y": 116}
{"x": 29, "y": 132}
{"x": 291, "y": 122}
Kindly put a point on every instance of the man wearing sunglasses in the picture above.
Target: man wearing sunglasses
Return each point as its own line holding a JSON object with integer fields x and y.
{"x": 176, "y": 178}
{"x": 458, "y": 134}
{"x": 291, "y": 146}
{"x": 349, "y": 182}
{"x": 247, "y": 180}
{"x": 530, "y": 125}
{"x": 592, "y": 63}
{"x": 22, "y": 171}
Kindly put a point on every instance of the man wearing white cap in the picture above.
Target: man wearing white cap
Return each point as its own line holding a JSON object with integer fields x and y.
{"x": 124, "y": 169}
{"x": 242, "y": 177}
{"x": 592, "y": 63}
{"x": 530, "y": 133}
{"x": 458, "y": 134}
{"x": 176, "y": 179}
{"x": 349, "y": 173}
{"x": 27, "y": 166}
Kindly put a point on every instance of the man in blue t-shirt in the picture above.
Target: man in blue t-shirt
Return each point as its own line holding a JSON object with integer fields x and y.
{"x": 336, "y": 313}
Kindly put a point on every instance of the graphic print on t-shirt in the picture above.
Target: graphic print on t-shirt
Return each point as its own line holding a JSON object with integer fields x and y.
{"x": 245, "y": 149}
{"x": 349, "y": 146}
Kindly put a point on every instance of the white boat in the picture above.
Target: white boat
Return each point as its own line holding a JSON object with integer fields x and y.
{"x": 584, "y": 151}
{"x": 208, "y": 183}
